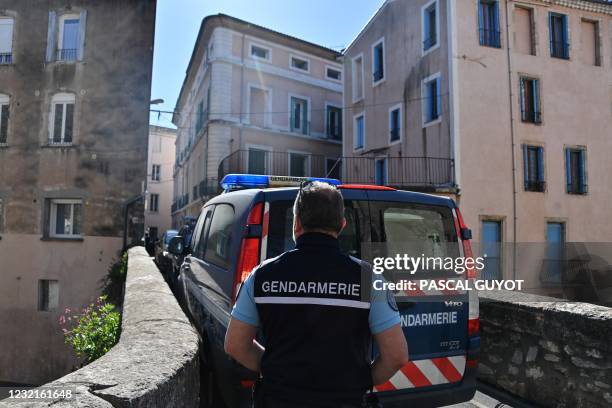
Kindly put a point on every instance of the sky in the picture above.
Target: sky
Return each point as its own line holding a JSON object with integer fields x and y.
{"x": 331, "y": 23}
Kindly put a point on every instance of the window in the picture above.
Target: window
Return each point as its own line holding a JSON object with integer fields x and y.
{"x": 66, "y": 36}
{"x": 260, "y": 106}
{"x": 220, "y": 236}
{"x": 432, "y": 104}
{"x": 491, "y": 246}
{"x": 300, "y": 64}
{"x": 357, "y": 77}
{"x": 395, "y": 124}
{"x": 333, "y": 167}
{"x": 558, "y": 31}
{"x": 154, "y": 202}
{"x": 488, "y": 20}
{"x": 4, "y": 118}
{"x": 260, "y": 52}
{"x": 533, "y": 163}
{"x": 62, "y": 119}
{"x": 259, "y": 161}
{"x": 299, "y": 115}
{"x": 575, "y": 170}
{"x": 299, "y": 164}
{"x": 6, "y": 40}
{"x": 590, "y": 44}
{"x": 430, "y": 26}
{"x": 332, "y": 73}
{"x": 48, "y": 295}
{"x": 359, "y": 132}
{"x": 155, "y": 172}
{"x": 66, "y": 218}
{"x": 530, "y": 100}
{"x": 378, "y": 61}
{"x": 380, "y": 176}
{"x": 334, "y": 122}
{"x": 523, "y": 34}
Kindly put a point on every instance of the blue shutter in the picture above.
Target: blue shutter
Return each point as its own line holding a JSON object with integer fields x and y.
{"x": 481, "y": 31}
{"x": 565, "y": 37}
{"x": 540, "y": 164}
{"x": 81, "y": 38}
{"x": 495, "y": 34}
{"x": 582, "y": 172}
{"x": 568, "y": 170}
{"x": 535, "y": 85}
{"x": 51, "y": 36}
{"x": 526, "y": 167}
{"x": 438, "y": 98}
{"x": 522, "y": 98}
{"x": 550, "y": 32}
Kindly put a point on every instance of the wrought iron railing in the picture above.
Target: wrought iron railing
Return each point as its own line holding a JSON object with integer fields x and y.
{"x": 6, "y": 58}
{"x": 407, "y": 172}
{"x": 534, "y": 185}
{"x": 67, "y": 54}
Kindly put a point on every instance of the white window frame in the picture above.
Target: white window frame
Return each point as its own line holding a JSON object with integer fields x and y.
{"x": 308, "y": 112}
{"x": 4, "y": 100}
{"x": 263, "y": 47}
{"x": 268, "y": 149}
{"x": 267, "y": 116}
{"x": 60, "y": 32}
{"x": 53, "y": 217}
{"x": 423, "y": 34}
{"x": 399, "y": 107}
{"x": 156, "y": 173}
{"x": 355, "y": 117}
{"x": 437, "y": 76}
{"x": 302, "y": 58}
{"x": 12, "y": 23}
{"x": 301, "y": 153}
{"x": 62, "y": 98}
{"x": 340, "y": 70}
{"x": 326, "y": 118}
{"x": 354, "y": 84}
{"x": 384, "y": 65}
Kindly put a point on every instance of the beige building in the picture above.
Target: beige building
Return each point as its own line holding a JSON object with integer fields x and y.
{"x": 254, "y": 101}
{"x": 504, "y": 104}
{"x": 73, "y": 142}
{"x": 160, "y": 180}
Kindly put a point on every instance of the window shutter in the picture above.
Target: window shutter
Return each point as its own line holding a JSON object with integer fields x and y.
{"x": 566, "y": 44}
{"x": 292, "y": 115}
{"x": 82, "y": 31}
{"x": 522, "y": 99}
{"x": 540, "y": 164}
{"x": 535, "y": 86}
{"x": 481, "y": 32}
{"x": 582, "y": 164}
{"x": 305, "y": 118}
{"x": 526, "y": 167}
{"x": 568, "y": 170}
{"x": 51, "y": 36}
{"x": 4, "y": 117}
{"x": 495, "y": 34}
{"x": 57, "y": 123}
{"x": 69, "y": 125}
{"x": 438, "y": 98}
{"x": 550, "y": 33}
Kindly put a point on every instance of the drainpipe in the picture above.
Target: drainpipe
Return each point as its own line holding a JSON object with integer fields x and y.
{"x": 126, "y": 210}
{"x": 512, "y": 141}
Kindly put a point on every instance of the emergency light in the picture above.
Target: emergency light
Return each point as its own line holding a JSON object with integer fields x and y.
{"x": 241, "y": 181}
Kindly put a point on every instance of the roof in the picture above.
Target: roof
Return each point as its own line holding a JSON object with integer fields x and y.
{"x": 223, "y": 20}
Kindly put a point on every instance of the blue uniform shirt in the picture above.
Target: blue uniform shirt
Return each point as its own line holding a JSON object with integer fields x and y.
{"x": 382, "y": 315}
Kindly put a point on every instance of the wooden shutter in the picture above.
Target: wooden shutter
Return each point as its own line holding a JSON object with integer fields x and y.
{"x": 540, "y": 177}
{"x": 582, "y": 172}
{"x": 568, "y": 170}
{"x": 526, "y": 167}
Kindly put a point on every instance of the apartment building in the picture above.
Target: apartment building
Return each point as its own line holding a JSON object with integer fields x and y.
{"x": 160, "y": 181}
{"x": 74, "y": 109}
{"x": 254, "y": 101}
{"x": 503, "y": 104}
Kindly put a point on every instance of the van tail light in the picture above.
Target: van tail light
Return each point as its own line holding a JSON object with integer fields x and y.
{"x": 473, "y": 327}
{"x": 463, "y": 232}
{"x": 249, "y": 250}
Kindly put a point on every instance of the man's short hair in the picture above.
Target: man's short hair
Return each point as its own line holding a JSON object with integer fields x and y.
{"x": 319, "y": 206}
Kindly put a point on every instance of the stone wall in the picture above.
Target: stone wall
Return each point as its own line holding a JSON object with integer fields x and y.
{"x": 555, "y": 354}
{"x": 155, "y": 363}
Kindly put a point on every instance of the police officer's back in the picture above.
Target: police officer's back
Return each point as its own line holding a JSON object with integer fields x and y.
{"x": 316, "y": 315}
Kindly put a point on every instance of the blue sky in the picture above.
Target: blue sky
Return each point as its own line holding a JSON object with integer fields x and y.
{"x": 331, "y": 23}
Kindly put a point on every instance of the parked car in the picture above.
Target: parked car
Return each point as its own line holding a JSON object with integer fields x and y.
{"x": 176, "y": 260}
{"x": 239, "y": 229}
{"x": 162, "y": 256}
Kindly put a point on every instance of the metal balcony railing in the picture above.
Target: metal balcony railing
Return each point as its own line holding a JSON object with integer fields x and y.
{"x": 534, "y": 185}
{"x": 67, "y": 54}
{"x": 405, "y": 172}
{"x": 6, "y": 58}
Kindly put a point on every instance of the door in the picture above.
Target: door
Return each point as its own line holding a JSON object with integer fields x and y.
{"x": 555, "y": 243}
{"x": 381, "y": 172}
{"x": 491, "y": 247}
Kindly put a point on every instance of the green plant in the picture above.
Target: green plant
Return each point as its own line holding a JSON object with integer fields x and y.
{"x": 92, "y": 331}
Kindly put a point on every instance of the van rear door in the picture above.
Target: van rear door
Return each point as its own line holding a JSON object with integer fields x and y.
{"x": 435, "y": 322}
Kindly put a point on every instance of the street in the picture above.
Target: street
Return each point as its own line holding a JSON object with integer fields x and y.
{"x": 488, "y": 397}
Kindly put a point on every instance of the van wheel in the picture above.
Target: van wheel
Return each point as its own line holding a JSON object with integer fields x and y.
{"x": 210, "y": 397}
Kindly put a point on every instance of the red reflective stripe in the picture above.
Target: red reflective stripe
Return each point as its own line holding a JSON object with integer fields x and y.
{"x": 447, "y": 369}
{"x": 415, "y": 375}
{"x": 385, "y": 387}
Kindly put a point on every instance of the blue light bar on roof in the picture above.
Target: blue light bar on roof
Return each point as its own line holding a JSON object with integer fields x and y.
{"x": 242, "y": 181}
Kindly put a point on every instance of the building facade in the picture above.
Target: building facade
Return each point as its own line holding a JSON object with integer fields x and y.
{"x": 254, "y": 101}
{"x": 514, "y": 96}
{"x": 160, "y": 165}
{"x": 73, "y": 145}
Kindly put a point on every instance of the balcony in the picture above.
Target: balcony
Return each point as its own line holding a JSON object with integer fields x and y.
{"x": 6, "y": 58}
{"x": 416, "y": 173}
{"x": 67, "y": 54}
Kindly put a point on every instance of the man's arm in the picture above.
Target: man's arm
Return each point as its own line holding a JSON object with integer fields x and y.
{"x": 393, "y": 354}
{"x": 241, "y": 345}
